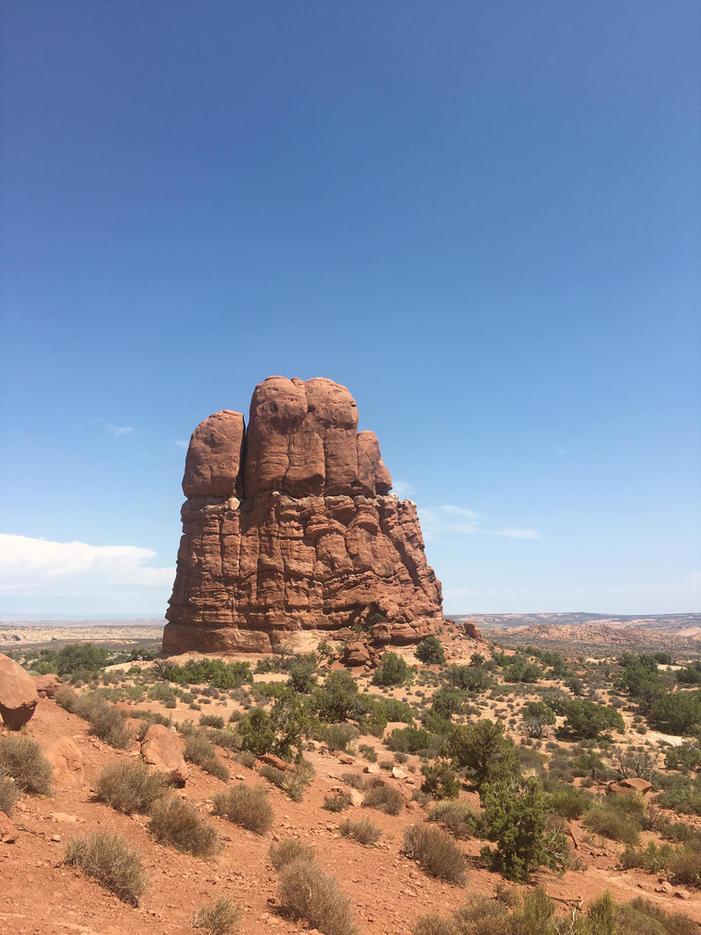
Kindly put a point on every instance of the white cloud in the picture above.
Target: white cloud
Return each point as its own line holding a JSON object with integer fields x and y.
{"x": 403, "y": 489}
{"x": 517, "y": 533}
{"x": 447, "y": 520}
{"x": 117, "y": 431}
{"x": 40, "y": 565}
{"x": 181, "y": 444}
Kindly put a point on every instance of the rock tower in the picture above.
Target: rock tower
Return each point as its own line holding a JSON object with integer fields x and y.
{"x": 289, "y": 526}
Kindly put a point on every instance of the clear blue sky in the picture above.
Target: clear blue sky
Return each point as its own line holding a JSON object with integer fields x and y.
{"x": 482, "y": 217}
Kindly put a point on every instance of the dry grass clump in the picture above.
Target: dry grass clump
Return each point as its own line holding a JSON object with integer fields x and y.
{"x": 246, "y": 806}
{"x": 355, "y": 780}
{"x": 219, "y": 917}
{"x": 307, "y": 893}
{"x": 364, "y": 832}
{"x": 109, "y": 859}
{"x": 435, "y": 852}
{"x": 178, "y": 824}
{"x": 612, "y": 823}
{"x": 8, "y": 791}
{"x": 459, "y": 819}
{"x": 292, "y": 782}
{"x": 337, "y": 801}
{"x": 21, "y": 760}
{"x": 130, "y": 786}
{"x": 289, "y": 850}
{"x": 385, "y": 799}
{"x": 106, "y": 722}
{"x": 199, "y": 750}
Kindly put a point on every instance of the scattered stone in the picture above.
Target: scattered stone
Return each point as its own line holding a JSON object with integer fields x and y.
{"x": 165, "y": 749}
{"x": 18, "y": 696}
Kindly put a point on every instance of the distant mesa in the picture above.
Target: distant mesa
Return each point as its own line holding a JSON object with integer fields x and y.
{"x": 290, "y": 530}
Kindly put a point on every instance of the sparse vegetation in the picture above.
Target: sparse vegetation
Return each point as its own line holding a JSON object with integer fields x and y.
{"x": 435, "y": 852}
{"x": 219, "y": 917}
{"x": 130, "y": 786}
{"x": 178, "y": 824}
{"x": 247, "y": 806}
{"x": 289, "y": 850}
{"x": 307, "y": 893}
{"x": 362, "y": 831}
{"x": 384, "y": 798}
{"x": 111, "y": 860}
{"x": 22, "y": 761}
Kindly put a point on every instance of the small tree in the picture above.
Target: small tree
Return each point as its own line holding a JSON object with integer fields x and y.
{"x": 585, "y": 720}
{"x": 440, "y": 780}
{"x": 536, "y": 718}
{"x": 392, "y": 670}
{"x": 337, "y": 699}
{"x": 483, "y": 751}
{"x": 431, "y": 651}
{"x": 514, "y": 814}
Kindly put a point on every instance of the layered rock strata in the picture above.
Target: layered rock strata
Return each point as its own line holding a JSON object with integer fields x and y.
{"x": 289, "y": 526}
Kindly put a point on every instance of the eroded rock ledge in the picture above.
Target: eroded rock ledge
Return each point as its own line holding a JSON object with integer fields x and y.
{"x": 290, "y": 526}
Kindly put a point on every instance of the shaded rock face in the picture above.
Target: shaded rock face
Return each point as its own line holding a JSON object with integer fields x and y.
{"x": 18, "y": 696}
{"x": 289, "y": 526}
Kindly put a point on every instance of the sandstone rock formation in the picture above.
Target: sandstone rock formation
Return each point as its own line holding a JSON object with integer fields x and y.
{"x": 290, "y": 526}
{"x": 18, "y": 696}
{"x": 165, "y": 750}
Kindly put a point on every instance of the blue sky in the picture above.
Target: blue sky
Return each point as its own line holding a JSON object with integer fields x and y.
{"x": 483, "y": 218}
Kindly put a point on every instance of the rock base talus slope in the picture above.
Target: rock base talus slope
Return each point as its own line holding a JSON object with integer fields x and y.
{"x": 290, "y": 526}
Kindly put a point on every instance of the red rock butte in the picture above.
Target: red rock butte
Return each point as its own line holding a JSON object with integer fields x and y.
{"x": 289, "y": 530}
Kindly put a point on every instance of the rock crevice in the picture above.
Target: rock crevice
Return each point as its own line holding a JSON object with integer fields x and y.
{"x": 289, "y": 526}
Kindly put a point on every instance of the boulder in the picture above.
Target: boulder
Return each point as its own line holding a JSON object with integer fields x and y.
{"x": 289, "y": 526}
{"x": 48, "y": 685}
{"x": 472, "y": 631}
{"x": 18, "y": 696}
{"x": 627, "y": 786}
{"x": 66, "y": 761}
{"x": 356, "y": 654}
{"x": 165, "y": 749}
{"x": 271, "y": 760}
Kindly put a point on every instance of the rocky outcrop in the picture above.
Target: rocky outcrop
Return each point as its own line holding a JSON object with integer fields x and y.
{"x": 165, "y": 750}
{"x": 18, "y": 696}
{"x": 48, "y": 685}
{"x": 290, "y": 526}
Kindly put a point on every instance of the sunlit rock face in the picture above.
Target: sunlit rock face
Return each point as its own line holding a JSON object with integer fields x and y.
{"x": 289, "y": 527}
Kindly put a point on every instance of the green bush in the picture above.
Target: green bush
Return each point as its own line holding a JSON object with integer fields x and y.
{"x": 392, "y": 670}
{"x": 364, "y": 832}
{"x": 483, "y": 751}
{"x": 569, "y": 802}
{"x": 307, "y": 893}
{"x": 219, "y": 917}
{"x": 339, "y": 736}
{"x": 514, "y": 815}
{"x": 409, "y": 739}
{"x": 109, "y": 859}
{"x": 431, "y": 651}
{"x": 610, "y": 822}
{"x": 178, "y": 824}
{"x": 247, "y": 806}
{"x": 685, "y": 757}
{"x": 130, "y": 786}
{"x": 682, "y": 794}
{"x": 337, "y": 801}
{"x": 678, "y": 713}
{"x": 440, "y": 780}
{"x": 337, "y": 699}
{"x": 435, "y": 852}
{"x": 21, "y": 760}
{"x": 586, "y": 720}
{"x": 219, "y": 674}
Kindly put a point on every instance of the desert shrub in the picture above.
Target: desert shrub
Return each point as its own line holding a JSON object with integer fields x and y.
{"x": 586, "y": 720}
{"x": 684, "y": 866}
{"x": 435, "y": 852}
{"x": 362, "y": 831}
{"x": 109, "y": 724}
{"x": 682, "y": 794}
{"x": 369, "y": 753}
{"x": 286, "y": 725}
{"x": 247, "y": 806}
{"x": 307, "y": 893}
{"x": 433, "y": 924}
{"x": 652, "y": 858}
{"x": 431, "y": 651}
{"x": 246, "y": 758}
{"x": 212, "y": 720}
{"x": 472, "y": 679}
{"x": 356, "y": 780}
{"x": 613, "y": 823}
{"x": 672, "y": 923}
{"x": 338, "y": 736}
{"x": 289, "y": 850}
{"x": 8, "y": 792}
{"x": 219, "y": 917}
{"x": 302, "y": 677}
{"x": 178, "y": 824}
{"x": 459, "y": 819}
{"x": 409, "y": 739}
{"x": 392, "y": 670}
{"x": 385, "y": 799}
{"x": 678, "y": 713}
{"x": 536, "y": 717}
{"x": 483, "y": 751}
{"x": 337, "y": 801}
{"x": 109, "y": 859}
{"x": 521, "y": 670}
{"x": 199, "y": 750}
{"x": 218, "y": 673}
{"x": 292, "y": 782}
{"x": 130, "y": 786}
{"x": 440, "y": 780}
{"x": 337, "y": 698}
{"x": 568, "y": 801}
{"x": 514, "y": 815}
{"x": 685, "y": 757}
{"x": 21, "y": 760}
